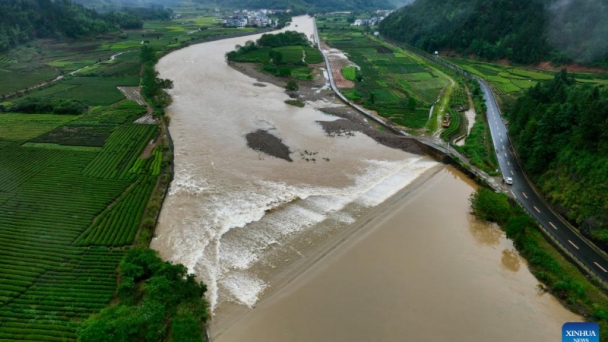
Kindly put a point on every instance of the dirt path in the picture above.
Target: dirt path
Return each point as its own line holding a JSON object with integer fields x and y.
{"x": 338, "y": 60}
{"x": 134, "y": 94}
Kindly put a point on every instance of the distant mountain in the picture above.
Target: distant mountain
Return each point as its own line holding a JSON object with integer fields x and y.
{"x": 524, "y": 31}
{"x": 24, "y": 20}
{"x": 119, "y": 4}
{"x": 400, "y": 3}
{"x": 305, "y": 5}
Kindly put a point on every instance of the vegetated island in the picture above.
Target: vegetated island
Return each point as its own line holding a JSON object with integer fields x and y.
{"x": 288, "y": 60}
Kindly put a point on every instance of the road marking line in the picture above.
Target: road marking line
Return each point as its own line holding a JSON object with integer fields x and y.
{"x": 505, "y": 154}
{"x": 512, "y": 173}
{"x": 501, "y": 140}
{"x": 536, "y": 209}
{"x": 598, "y": 265}
{"x": 508, "y": 163}
{"x": 523, "y": 193}
{"x": 552, "y": 225}
{"x": 572, "y": 243}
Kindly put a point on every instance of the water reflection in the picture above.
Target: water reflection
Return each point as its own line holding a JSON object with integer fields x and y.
{"x": 511, "y": 260}
{"x": 486, "y": 233}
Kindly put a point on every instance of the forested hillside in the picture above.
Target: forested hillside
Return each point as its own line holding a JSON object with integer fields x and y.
{"x": 560, "y": 131}
{"x": 306, "y": 5}
{"x": 24, "y": 20}
{"x": 523, "y": 31}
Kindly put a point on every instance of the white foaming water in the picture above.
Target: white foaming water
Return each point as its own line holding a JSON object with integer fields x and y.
{"x": 243, "y": 288}
{"x": 231, "y": 209}
{"x": 217, "y": 261}
{"x": 390, "y": 185}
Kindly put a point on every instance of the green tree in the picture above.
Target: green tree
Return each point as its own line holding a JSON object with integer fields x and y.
{"x": 277, "y": 57}
{"x": 292, "y": 85}
{"x": 154, "y": 298}
{"x": 284, "y": 72}
{"x": 411, "y": 103}
{"x": 490, "y": 206}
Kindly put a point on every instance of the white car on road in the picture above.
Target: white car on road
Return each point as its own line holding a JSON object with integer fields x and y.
{"x": 509, "y": 180}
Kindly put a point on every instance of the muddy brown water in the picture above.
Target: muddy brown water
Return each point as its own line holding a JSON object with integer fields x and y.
{"x": 255, "y": 228}
{"x": 422, "y": 270}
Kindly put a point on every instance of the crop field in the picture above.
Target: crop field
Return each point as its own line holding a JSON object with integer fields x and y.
{"x": 349, "y": 72}
{"x": 510, "y": 82}
{"x": 43, "y": 60}
{"x": 291, "y": 55}
{"x": 456, "y": 128}
{"x": 292, "y": 58}
{"x": 92, "y": 91}
{"x": 390, "y": 76}
{"x": 63, "y": 203}
{"x": 15, "y": 127}
{"x": 459, "y": 97}
{"x": 11, "y": 81}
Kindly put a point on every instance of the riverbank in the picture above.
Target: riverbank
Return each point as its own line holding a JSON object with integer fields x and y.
{"x": 234, "y": 215}
{"x": 313, "y": 254}
{"x": 325, "y": 100}
{"x": 418, "y": 266}
{"x": 249, "y": 225}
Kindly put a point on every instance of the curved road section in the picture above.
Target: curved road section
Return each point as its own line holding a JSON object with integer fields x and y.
{"x": 588, "y": 255}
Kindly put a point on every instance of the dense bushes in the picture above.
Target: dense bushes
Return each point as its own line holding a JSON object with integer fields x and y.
{"x": 47, "y": 106}
{"x": 157, "y": 301}
{"x": 24, "y": 20}
{"x": 487, "y": 205}
{"x": 278, "y": 59}
{"x": 152, "y": 86}
{"x": 522, "y": 31}
{"x": 560, "y": 132}
{"x": 287, "y": 38}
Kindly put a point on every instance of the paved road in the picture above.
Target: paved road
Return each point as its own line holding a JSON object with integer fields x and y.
{"x": 584, "y": 251}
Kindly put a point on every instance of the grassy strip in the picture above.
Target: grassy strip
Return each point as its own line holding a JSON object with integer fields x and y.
{"x": 478, "y": 146}
{"x": 349, "y": 72}
{"x": 62, "y": 147}
{"x": 578, "y": 292}
{"x": 296, "y": 103}
{"x": 441, "y": 108}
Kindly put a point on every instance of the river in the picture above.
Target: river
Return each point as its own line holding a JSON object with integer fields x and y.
{"x": 254, "y": 227}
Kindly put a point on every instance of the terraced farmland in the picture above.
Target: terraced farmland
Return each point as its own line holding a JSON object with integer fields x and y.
{"x": 389, "y": 76}
{"x": 510, "y": 82}
{"x": 62, "y": 206}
